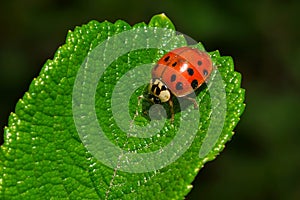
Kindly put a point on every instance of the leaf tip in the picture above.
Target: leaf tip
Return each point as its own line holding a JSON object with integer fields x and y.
{"x": 162, "y": 21}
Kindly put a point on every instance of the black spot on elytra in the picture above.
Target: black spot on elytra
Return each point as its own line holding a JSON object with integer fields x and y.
{"x": 194, "y": 84}
{"x": 190, "y": 71}
{"x": 205, "y": 72}
{"x": 173, "y": 78}
{"x": 167, "y": 58}
{"x": 179, "y": 86}
{"x": 174, "y": 64}
{"x": 199, "y": 63}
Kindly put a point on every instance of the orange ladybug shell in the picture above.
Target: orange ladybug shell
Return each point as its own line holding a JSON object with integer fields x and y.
{"x": 183, "y": 70}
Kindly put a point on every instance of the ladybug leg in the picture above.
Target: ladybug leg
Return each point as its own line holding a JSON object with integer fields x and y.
{"x": 137, "y": 109}
{"x": 139, "y": 103}
{"x": 193, "y": 101}
{"x": 171, "y": 109}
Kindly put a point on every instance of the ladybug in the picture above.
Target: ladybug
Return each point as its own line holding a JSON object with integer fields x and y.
{"x": 179, "y": 72}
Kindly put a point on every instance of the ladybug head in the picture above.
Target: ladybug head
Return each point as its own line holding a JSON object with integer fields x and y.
{"x": 158, "y": 91}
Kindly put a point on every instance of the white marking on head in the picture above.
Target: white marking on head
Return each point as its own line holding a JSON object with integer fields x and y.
{"x": 158, "y": 89}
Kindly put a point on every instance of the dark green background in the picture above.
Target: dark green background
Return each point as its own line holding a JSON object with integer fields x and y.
{"x": 262, "y": 161}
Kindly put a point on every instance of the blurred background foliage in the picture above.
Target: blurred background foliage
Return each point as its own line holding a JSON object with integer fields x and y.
{"x": 263, "y": 159}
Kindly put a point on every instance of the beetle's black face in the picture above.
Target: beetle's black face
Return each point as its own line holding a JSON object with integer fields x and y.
{"x": 154, "y": 99}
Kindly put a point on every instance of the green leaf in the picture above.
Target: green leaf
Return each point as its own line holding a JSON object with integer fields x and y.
{"x": 44, "y": 156}
{"x": 161, "y": 21}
